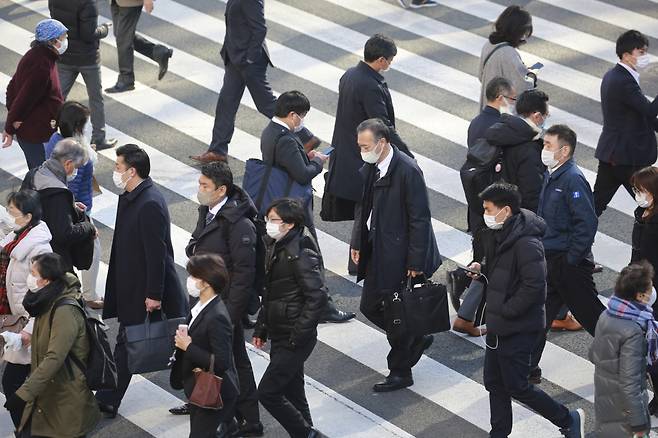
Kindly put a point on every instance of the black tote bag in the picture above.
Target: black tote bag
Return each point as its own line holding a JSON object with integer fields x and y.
{"x": 149, "y": 345}
{"x": 420, "y": 308}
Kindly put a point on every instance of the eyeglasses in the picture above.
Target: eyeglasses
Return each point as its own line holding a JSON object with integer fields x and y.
{"x": 274, "y": 220}
{"x": 513, "y": 99}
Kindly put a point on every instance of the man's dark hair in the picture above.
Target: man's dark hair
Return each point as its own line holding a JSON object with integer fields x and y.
{"x": 502, "y": 194}
{"x": 289, "y": 210}
{"x": 209, "y": 267}
{"x": 294, "y": 101}
{"x": 50, "y": 266}
{"x": 379, "y": 46}
{"x": 27, "y": 201}
{"x": 531, "y": 101}
{"x": 565, "y": 137}
{"x": 496, "y": 87}
{"x": 377, "y": 127}
{"x": 512, "y": 26}
{"x": 72, "y": 118}
{"x": 136, "y": 157}
{"x": 634, "y": 278}
{"x": 220, "y": 174}
{"x": 629, "y": 41}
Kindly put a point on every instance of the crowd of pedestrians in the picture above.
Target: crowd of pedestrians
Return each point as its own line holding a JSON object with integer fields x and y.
{"x": 532, "y": 215}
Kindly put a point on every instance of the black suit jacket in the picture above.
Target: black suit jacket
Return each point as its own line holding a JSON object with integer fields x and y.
{"x": 211, "y": 333}
{"x": 142, "y": 259}
{"x": 362, "y": 94}
{"x": 244, "y": 42}
{"x": 629, "y": 121}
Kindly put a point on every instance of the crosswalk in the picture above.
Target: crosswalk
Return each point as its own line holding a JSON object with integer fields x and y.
{"x": 435, "y": 90}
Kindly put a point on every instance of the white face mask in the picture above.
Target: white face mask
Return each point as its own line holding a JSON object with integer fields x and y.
{"x": 274, "y": 230}
{"x": 652, "y": 299}
{"x": 548, "y": 158}
{"x": 205, "y": 198}
{"x": 506, "y": 108}
{"x": 63, "y": 45}
{"x": 72, "y": 176}
{"x": 300, "y": 126}
{"x": 117, "y": 178}
{"x": 372, "y": 156}
{"x": 642, "y": 62}
{"x": 32, "y": 283}
{"x": 192, "y": 288}
{"x": 490, "y": 221}
{"x": 642, "y": 200}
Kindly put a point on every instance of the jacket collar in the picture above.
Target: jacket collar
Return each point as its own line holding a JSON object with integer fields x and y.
{"x": 364, "y": 67}
{"x": 384, "y": 181}
{"x": 131, "y": 196}
{"x": 491, "y": 110}
{"x": 567, "y": 165}
{"x": 38, "y": 235}
{"x": 206, "y": 309}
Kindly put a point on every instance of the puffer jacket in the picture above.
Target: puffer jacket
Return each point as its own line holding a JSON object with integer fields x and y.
{"x": 58, "y": 398}
{"x": 516, "y": 292}
{"x": 295, "y": 294}
{"x": 619, "y": 354}
{"x": 37, "y": 241}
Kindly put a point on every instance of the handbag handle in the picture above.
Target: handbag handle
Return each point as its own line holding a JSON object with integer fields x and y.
{"x": 410, "y": 279}
{"x": 147, "y": 322}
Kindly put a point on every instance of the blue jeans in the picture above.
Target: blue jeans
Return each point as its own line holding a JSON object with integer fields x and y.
{"x": 35, "y": 153}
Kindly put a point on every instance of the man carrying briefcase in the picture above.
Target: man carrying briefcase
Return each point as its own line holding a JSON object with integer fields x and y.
{"x": 392, "y": 239}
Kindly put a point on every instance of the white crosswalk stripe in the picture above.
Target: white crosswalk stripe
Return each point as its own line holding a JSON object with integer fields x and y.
{"x": 439, "y": 378}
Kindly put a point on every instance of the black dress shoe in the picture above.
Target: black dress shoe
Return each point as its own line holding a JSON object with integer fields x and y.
{"x": 249, "y": 429}
{"x": 109, "y": 410}
{"x": 337, "y": 316}
{"x": 162, "y": 55}
{"x": 227, "y": 430}
{"x": 107, "y": 143}
{"x": 248, "y": 323}
{"x": 180, "y": 410}
{"x": 393, "y": 383}
{"x": 120, "y": 87}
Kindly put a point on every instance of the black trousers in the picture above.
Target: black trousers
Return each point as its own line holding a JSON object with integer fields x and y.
{"x": 506, "y": 371}
{"x": 236, "y": 78}
{"x": 247, "y": 405}
{"x": 281, "y": 390}
{"x": 35, "y": 153}
{"x": 125, "y": 21}
{"x": 608, "y": 179}
{"x": 573, "y": 286}
{"x": 113, "y": 397}
{"x": 205, "y": 422}
{"x": 13, "y": 377}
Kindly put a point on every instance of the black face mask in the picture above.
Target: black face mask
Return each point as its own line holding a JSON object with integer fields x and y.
{"x": 37, "y": 303}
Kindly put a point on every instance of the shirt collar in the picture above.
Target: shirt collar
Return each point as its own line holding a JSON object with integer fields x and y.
{"x": 198, "y": 307}
{"x": 633, "y": 73}
{"x": 218, "y": 207}
{"x": 280, "y": 122}
{"x": 383, "y": 166}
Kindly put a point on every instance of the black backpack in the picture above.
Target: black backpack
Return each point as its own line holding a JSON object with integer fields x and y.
{"x": 100, "y": 369}
{"x": 483, "y": 167}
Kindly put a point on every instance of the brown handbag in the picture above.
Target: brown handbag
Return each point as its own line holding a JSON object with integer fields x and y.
{"x": 207, "y": 392}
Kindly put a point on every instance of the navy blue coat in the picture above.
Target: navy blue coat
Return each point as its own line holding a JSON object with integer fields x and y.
{"x": 629, "y": 121}
{"x": 483, "y": 121}
{"x": 142, "y": 259}
{"x": 401, "y": 224}
{"x": 244, "y": 41}
{"x": 566, "y": 204}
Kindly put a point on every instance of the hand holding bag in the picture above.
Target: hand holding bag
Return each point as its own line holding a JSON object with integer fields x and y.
{"x": 420, "y": 308}
{"x": 207, "y": 392}
{"x": 149, "y": 345}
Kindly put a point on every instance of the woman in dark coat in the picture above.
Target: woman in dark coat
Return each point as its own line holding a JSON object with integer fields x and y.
{"x": 625, "y": 342}
{"x": 293, "y": 302}
{"x": 34, "y": 94}
{"x": 208, "y": 339}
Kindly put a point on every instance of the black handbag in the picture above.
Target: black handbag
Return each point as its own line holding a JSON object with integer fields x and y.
{"x": 149, "y": 345}
{"x": 420, "y": 308}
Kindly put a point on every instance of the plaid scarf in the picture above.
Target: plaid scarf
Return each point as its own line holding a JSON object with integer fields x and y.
{"x": 5, "y": 258}
{"x": 641, "y": 314}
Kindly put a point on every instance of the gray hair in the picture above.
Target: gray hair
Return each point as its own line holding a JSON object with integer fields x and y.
{"x": 70, "y": 149}
{"x": 377, "y": 127}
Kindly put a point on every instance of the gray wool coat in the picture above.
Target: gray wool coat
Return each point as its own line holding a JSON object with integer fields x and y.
{"x": 505, "y": 62}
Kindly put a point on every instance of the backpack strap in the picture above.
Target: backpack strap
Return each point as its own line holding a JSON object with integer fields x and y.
{"x": 499, "y": 46}
{"x": 68, "y": 301}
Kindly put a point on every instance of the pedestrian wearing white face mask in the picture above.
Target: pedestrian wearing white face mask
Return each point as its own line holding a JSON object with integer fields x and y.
{"x": 29, "y": 238}
{"x": 645, "y": 236}
{"x": 141, "y": 276}
{"x": 515, "y": 295}
{"x": 628, "y": 140}
{"x": 34, "y": 94}
{"x": 73, "y": 235}
{"x": 392, "y": 240}
{"x": 566, "y": 204}
{"x": 294, "y": 299}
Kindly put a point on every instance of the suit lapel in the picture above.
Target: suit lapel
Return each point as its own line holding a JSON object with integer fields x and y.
{"x": 202, "y": 314}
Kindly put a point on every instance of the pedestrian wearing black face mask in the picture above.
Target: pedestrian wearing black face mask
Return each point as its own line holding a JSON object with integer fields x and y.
{"x": 628, "y": 140}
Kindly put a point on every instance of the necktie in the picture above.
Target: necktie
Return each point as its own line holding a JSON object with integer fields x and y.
{"x": 209, "y": 217}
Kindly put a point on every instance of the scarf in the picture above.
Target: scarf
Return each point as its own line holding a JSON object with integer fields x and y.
{"x": 39, "y": 302}
{"x": 5, "y": 259}
{"x": 641, "y": 314}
